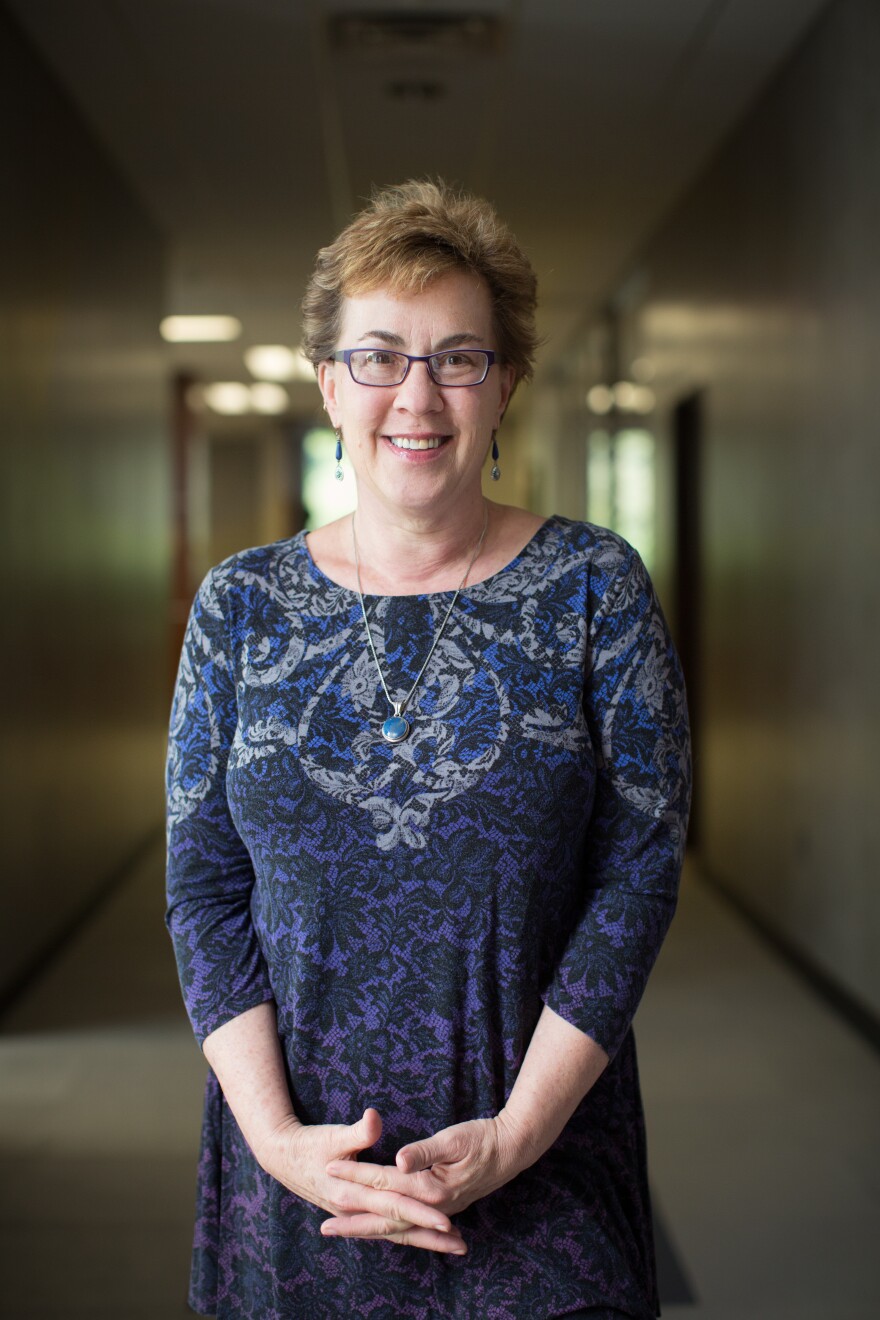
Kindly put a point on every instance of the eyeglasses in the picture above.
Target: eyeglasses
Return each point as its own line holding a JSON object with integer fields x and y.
{"x": 455, "y": 367}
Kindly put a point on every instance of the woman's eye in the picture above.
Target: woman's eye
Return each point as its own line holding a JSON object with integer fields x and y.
{"x": 456, "y": 360}
{"x": 376, "y": 357}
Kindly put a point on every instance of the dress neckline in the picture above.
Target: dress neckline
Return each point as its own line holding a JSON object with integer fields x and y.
{"x": 299, "y": 542}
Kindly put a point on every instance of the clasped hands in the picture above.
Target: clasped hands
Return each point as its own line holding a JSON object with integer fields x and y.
{"x": 409, "y": 1202}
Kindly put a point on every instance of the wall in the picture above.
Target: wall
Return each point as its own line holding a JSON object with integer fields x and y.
{"x": 763, "y": 291}
{"x": 85, "y": 518}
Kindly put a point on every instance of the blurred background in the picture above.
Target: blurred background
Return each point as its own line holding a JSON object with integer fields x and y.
{"x": 698, "y": 185}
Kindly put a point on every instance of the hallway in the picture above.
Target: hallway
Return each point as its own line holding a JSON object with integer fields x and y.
{"x": 698, "y": 187}
{"x": 762, "y": 1108}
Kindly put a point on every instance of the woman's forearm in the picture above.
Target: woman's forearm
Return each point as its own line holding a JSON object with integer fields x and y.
{"x": 245, "y": 1053}
{"x": 560, "y": 1067}
{"x": 458, "y": 1165}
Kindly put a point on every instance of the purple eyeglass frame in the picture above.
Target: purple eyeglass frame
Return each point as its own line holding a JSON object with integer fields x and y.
{"x": 344, "y": 355}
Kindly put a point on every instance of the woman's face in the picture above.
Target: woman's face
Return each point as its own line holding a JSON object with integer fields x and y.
{"x": 377, "y": 423}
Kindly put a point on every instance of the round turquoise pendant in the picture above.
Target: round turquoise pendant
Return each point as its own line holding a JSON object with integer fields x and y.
{"x": 395, "y": 728}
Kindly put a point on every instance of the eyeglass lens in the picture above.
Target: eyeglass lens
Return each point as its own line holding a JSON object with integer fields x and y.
{"x": 371, "y": 366}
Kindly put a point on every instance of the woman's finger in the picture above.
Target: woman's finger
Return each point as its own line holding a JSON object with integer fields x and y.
{"x": 353, "y": 1198}
{"x": 447, "y": 1147}
{"x": 392, "y": 1230}
{"x": 360, "y": 1135}
{"x": 416, "y": 1156}
{"x": 429, "y": 1241}
{"x": 384, "y": 1177}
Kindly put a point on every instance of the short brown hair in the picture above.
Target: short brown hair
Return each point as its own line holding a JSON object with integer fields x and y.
{"x": 408, "y": 236}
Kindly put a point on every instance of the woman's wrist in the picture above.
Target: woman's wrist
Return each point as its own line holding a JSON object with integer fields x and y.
{"x": 560, "y": 1066}
{"x": 246, "y": 1056}
{"x": 275, "y": 1148}
{"x": 518, "y": 1143}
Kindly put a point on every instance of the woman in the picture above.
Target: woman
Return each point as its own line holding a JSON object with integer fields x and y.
{"x": 428, "y": 783}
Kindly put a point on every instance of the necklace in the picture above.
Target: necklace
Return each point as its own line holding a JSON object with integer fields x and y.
{"x": 396, "y": 728}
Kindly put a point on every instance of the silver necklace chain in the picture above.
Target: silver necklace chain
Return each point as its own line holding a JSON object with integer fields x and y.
{"x": 396, "y": 728}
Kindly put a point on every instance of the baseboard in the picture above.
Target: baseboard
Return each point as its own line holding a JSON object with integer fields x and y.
{"x": 853, "y": 1011}
{"x": 27, "y": 976}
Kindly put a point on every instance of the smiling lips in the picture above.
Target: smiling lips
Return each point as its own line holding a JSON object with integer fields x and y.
{"x": 417, "y": 441}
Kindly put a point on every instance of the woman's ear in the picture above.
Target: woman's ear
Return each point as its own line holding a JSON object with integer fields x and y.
{"x": 327, "y": 386}
{"x": 508, "y": 380}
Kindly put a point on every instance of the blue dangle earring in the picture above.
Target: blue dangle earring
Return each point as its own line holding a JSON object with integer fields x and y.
{"x": 496, "y": 470}
{"x": 340, "y": 475}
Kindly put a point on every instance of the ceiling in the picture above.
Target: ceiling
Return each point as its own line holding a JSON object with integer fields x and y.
{"x": 252, "y": 128}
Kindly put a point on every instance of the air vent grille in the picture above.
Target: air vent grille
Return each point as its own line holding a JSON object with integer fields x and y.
{"x": 400, "y": 32}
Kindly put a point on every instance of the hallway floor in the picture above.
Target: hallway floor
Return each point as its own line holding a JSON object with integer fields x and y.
{"x": 763, "y": 1112}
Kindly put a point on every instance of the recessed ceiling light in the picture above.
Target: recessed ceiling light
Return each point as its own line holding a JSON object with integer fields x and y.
{"x": 200, "y": 329}
{"x": 600, "y": 400}
{"x": 267, "y": 397}
{"x": 230, "y": 397}
{"x": 633, "y": 398}
{"x": 278, "y": 362}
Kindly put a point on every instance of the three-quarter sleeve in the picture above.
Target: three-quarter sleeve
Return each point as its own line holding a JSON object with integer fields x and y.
{"x": 209, "y": 871}
{"x": 636, "y": 713}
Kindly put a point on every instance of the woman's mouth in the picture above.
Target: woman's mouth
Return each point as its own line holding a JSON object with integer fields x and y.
{"x": 417, "y": 441}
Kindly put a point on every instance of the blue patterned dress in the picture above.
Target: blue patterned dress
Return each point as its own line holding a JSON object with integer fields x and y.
{"x": 410, "y": 908}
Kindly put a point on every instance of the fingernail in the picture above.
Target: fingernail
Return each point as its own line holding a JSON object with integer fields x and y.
{"x": 444, "y": 1228}
{"x": 328, "y": 1230}
{"x": 459, "y": 1251}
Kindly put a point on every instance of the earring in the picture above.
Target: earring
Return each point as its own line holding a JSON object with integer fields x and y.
{"x": 496, "y": 470}
{"x": 340, "y": 475}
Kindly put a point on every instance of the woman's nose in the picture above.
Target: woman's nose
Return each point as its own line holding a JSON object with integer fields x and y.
{"x": 418, "y": 392}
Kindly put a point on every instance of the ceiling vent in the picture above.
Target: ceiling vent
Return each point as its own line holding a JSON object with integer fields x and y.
{"x": 402, "y": 33}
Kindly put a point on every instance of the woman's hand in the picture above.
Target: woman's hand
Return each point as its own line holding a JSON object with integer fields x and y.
{"x": 297, "y": 1155}
{"x": 446, "y": 1172}
{"x": 460, "y": 1164}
